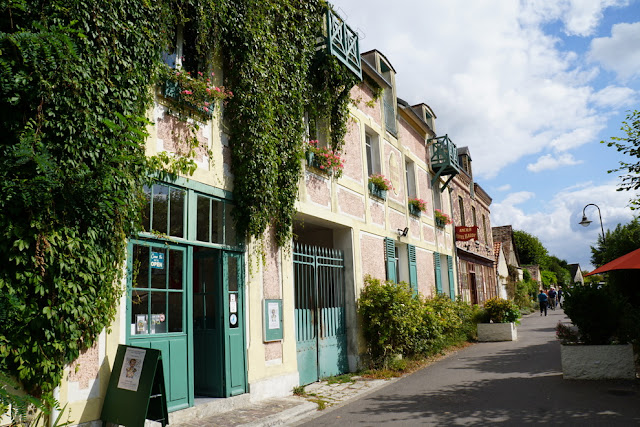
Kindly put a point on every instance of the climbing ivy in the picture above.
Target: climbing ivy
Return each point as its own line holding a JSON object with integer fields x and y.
{"x": 74, "y": 93}
{"x": 277, "y": 76}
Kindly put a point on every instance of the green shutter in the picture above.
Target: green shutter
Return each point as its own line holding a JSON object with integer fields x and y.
{"x": 390, "y": 253}
{"x": 452, "y": 282}
{"x": 413, "y": 269}
{"x": 436, "y": 265}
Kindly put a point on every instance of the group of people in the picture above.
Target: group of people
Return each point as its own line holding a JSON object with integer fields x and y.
{"x": 549, "y": 299}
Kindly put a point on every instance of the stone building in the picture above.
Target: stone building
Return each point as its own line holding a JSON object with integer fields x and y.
{"x": 474, "y": 240}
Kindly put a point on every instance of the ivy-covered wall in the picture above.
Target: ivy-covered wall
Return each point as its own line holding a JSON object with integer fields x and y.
{"x": 74, "y": 93}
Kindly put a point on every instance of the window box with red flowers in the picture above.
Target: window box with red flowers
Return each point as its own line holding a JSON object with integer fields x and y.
{"x": 191, "y": 93}
{"x": 379, "y": 185}
{"x": 442, "y": 218}
{"x": 323, "y": 159}
{"x": 417, "y": 206}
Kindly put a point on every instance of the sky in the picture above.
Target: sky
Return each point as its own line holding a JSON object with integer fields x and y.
{"x": 531, "y": 87}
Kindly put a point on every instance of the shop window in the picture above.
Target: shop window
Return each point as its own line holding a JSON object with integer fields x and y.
{"x": 214, "y": 221}
{"x": 157, "y": 305}
{"x": 164, "y": 210}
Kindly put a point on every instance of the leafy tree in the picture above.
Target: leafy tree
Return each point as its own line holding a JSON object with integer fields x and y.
{"x": 621, "y": 241}
{"x": 530, "y": 249}
{"x": 548, "y": 278}
{"x": 629, "y": 145}
{"x": 560, "y": 268}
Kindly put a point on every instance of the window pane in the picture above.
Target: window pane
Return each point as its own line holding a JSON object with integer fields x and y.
{"x": 160, "y": 207}
{"x": 216, "y": 221}
{"x": 176, "y": 217}
{"x": 146, "y": 210}
{"x": 229, "y": 227}
{"x": 202, "y": 221}
{"x": 232, "y": 263}
{"x": 158, "y": 268}
{"x": 139, "y": 311}
{"x": 176, "y": 259}
{"x": 158, "y": 324}
{"x": 175, "y": 312}
{"x": 140, "y": 266}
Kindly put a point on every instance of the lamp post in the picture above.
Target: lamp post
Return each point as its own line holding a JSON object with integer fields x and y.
{"x": 585, "y": 222}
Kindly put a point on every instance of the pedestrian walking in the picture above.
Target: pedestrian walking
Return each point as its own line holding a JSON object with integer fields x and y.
{"x": 552, "y": 298}
{"x": 542, "y": 299}
{"x": 560, "y": 296}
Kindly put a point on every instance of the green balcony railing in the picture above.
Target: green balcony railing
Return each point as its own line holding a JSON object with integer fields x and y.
{"x": 343, "y": 43}
{"x": 444, "y": 159}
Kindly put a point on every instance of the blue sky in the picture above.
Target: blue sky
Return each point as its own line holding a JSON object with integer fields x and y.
{"x": 531, "y": 87}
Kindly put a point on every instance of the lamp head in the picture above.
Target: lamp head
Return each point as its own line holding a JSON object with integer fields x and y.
{"x": 585, "y": 222}
{"x": 404, "y": 232}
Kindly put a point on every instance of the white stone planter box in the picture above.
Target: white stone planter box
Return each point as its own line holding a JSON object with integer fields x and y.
{"x": 497, "y": 332}
{"x": 597, "y": 362}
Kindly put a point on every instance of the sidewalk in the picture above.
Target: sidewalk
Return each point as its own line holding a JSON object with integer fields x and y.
{"x": 521, "y": 373}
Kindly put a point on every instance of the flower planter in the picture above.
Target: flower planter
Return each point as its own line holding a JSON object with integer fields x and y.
{"x": 497, "y": 332}
{"x": 172, "y": 90}
{"x": 440, "y": 223}
{"x": 312, "y": 162}
{"x": 414, "y": 210}
{"x": 376, "y": 191}
{"x": 597, "y": 362}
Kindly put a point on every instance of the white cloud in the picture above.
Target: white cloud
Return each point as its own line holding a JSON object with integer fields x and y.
{"x": 619, "y": 53}
{"x": 502, "y": 86}
{"x": 549, "y": 161}
{"x": 505, "y": 187}
{"x": 556, "y": 223}
{"x": 615, "y": 97}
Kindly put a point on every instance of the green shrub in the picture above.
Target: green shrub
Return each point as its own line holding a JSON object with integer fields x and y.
{"x": 499, "y": 310}
{"x": 598, "y": 313}
{"x": 395, "y": 322}
{"x": 391, "y": 318}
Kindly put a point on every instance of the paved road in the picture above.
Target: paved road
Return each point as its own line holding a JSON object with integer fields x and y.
{"x": 507, "y": 384}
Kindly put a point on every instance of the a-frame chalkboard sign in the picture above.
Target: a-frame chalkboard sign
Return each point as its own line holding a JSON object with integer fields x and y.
{"x": 136, "y": 389}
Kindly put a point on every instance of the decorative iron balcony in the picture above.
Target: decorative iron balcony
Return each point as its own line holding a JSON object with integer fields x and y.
{"x": 343, "y": 43}
{"x": 390, "y": 118}
{"x": 444, "y": 159}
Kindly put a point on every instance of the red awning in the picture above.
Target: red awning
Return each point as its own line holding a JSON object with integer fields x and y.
{"x": 630, "y": 261}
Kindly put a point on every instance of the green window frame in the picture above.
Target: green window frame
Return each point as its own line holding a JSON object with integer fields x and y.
{"x": 157, "y": 294}
{"x": 165, "y": 210}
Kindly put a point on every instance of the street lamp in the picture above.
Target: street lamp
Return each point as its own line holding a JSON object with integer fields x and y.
{"x": 585, "y": 222}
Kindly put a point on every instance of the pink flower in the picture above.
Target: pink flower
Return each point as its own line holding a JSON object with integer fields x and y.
{"x": 187, "y": 92}
{"x": 218, "y": 89}
{"x": 208, "y": 90}
{"x": 213, "y": 74}
{"x": 205, "y": 109}
{"x": 206, "y": 103}
{"x": 199, "y": 73}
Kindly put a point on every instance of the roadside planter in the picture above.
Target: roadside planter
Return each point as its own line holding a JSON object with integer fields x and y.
{"x": 597, "y": 362}
{"x": 497, "y": 332}
{"x": 499, "y": 317}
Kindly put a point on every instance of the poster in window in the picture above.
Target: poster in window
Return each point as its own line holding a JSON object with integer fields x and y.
{"x": 141, "y": 323}
{"x": 131, "y": 369}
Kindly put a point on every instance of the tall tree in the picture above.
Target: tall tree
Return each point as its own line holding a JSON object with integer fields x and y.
{"x": 621, "y": 241}
{"x": 530, "y": 250}
{"x": 629, "y": 145}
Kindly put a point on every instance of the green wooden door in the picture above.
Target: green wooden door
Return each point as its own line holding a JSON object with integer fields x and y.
{"x": 157, "y": 310}
{"x": 233, "y": 324}
{"x": 208, "y": 350}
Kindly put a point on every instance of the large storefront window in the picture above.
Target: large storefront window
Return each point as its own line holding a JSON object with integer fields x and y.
{"x": 157, "y": 305}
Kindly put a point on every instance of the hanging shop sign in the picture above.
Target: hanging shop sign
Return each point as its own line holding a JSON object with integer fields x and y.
{"x": 466, "y": 233}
